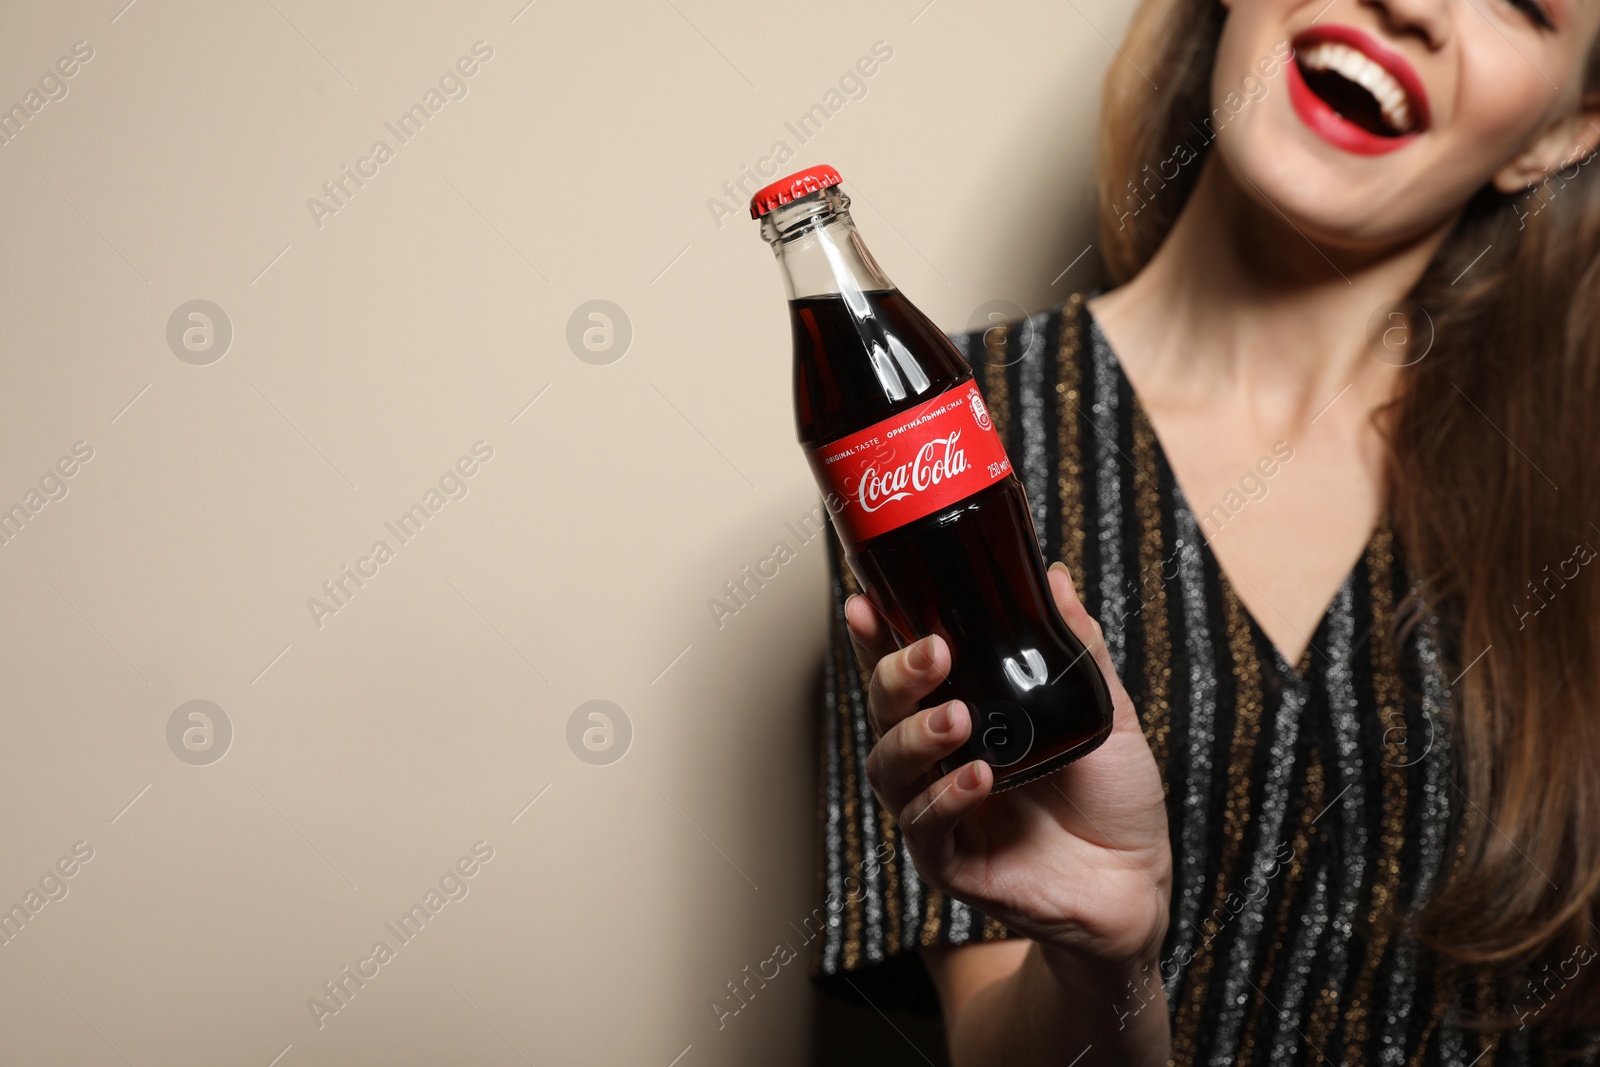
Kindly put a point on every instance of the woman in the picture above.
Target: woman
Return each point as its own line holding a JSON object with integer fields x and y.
{"x": 1320, "y": 467}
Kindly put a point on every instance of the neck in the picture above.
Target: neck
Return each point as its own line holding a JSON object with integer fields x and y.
{"x": 1237, "y": 298}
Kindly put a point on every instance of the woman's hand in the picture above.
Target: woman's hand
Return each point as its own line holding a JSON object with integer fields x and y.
{"x": 1078, "y": 860}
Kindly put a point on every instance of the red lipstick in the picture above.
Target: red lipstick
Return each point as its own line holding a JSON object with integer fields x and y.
{"x": 1333, "y": 127}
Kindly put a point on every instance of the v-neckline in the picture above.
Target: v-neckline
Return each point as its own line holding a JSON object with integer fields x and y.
{"x": 1211, "y": 561}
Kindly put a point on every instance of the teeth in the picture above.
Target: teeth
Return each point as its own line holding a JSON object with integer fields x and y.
{"x": 1352, "y": 64}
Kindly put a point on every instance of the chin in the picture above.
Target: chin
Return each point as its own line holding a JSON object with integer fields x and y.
{"x": 1316, "y": 197}
{"x": 1333, "y": 198}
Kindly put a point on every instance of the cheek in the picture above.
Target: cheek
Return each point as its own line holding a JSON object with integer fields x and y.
{"x": 1501, "y": 106}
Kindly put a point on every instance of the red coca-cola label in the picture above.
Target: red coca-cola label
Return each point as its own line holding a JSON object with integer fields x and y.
{"x": 911, "y": 464}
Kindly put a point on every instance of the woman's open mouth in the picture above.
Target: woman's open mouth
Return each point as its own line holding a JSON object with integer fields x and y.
{"x": 1354, "y": 93}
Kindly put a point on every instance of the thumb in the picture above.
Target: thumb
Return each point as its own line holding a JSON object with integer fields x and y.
{"x": 1087, "y": 630}
{"x": 1073, "y": 613}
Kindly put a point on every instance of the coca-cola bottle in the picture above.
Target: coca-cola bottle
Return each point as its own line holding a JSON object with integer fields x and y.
{"x": 934, "y": 522}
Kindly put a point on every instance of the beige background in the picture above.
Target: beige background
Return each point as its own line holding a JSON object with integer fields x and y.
{"x": 367, "y": 356}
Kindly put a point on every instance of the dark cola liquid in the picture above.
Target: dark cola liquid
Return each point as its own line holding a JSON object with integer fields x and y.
{"x": 972, "y": 572}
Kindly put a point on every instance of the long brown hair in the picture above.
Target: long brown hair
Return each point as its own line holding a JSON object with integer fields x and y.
{"x": 1494, "y": 495}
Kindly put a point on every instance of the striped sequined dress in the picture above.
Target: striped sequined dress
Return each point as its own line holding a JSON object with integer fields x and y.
{"x": 1310, "y": 805}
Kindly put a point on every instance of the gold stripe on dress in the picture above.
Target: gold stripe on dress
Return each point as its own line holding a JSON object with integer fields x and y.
{"x": 852, "y": 831}
{"x": 1483, "y": 1005}
{"x": 1235, "y": 813}
{"x": 930, "y": 922}
{"x": 1069, "y": 475}
{"x": 1154, "y": 711}
{"x": 847, "y": 576}
{"x": 891, "y": 880}
{"x": 851, "y": 586}
{"x": 997, "y": 391}
{"x": 1446, "y": 979}
{"x": 1323, "y": 1009}
{"x": 1391, "y": 719}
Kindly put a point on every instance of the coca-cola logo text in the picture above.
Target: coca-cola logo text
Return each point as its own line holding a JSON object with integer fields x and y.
{"x": 920, "y": 461}
{"x": 934, "y": 462}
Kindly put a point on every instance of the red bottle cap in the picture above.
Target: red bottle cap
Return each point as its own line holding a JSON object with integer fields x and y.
{"x": 786, "y": 190}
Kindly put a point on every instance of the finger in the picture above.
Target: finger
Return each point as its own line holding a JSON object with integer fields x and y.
{"x": 903, "y": 678}
{"x": 869, "y": 631}
{"x": 931, "y": 817}
{"x": 1073, "y": 613}
{"x": 907, "y": 757}
{"x": 1076, "y": 616}
{"x": 1087, "y": 630}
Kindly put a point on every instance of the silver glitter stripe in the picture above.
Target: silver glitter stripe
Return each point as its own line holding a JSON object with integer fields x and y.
{"x": 960, "y": 922}
{"x": 1108, "y": 476}
{"x": 833, "y": 807}
{"x": 911, "y": 890}
{"x": 1035, "y": 475}
{"x": 1452, "y": 1039}
{"x": 1435, "y": 823}
{"x": 1286, "y": 1037}
{"x": 1243, "y": 964}
{"x": 1452, "y": 1048}
{"x": 960, "y": 340}
{"x": 1191, "y": 887}
{"x": 1347, "y": 734}
{"x": 867, "y": 873}
{"x": 1341, "y": 701}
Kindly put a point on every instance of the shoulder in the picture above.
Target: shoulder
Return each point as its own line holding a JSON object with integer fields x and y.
{"x": 1027, "y": 362}
{"x": 1002, "y": 333}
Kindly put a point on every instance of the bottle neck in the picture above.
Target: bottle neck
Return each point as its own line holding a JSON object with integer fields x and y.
{"x": 818, "y": 250}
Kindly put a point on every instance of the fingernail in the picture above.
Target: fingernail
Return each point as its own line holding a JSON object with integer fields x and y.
{"x": 958, "y": 711}
{"x": 1062, "y": 567}
{"x": 971, "y": 776}
{"x": 921, "y": 655}
{"x": 939, "y": 722}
